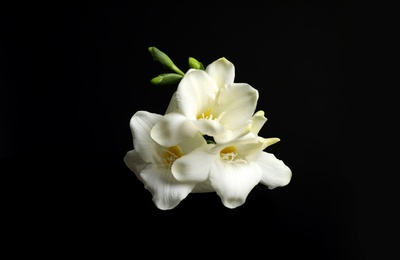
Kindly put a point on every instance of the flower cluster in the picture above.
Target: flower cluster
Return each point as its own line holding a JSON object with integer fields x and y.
{"x": 206, "y": 141}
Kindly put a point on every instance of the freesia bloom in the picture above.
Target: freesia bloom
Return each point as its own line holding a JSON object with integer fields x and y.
{"x": 207, "y": 140}
{"x": 208, "y": 102}
{"x": 236, "y": 167}
{"x": 152, "y": 162}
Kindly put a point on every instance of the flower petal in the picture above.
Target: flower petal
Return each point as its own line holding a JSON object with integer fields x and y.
{"x": 233, "y": 182}
{"x": 203, "y": 187}
{"x": 258, "y": 122}
{"x": 268, "y": 141}
{"x": 134, "y": 162}
{"x": 226, "y": 136}
{"x": 274, "y": 173}
{"x": 238, "y": 103}
{"x": 222, "y": 71}
{"x": 195, "y": 92}
{"x": 173, "y": 104}
{"x": 166, "y": 190}
{"x": 194, "y": 166}
{"x": 141, "y": 123}
{"x": 209, "y": 127}
{"x": 193, "y": 143}
{"x": 172, "y": 129}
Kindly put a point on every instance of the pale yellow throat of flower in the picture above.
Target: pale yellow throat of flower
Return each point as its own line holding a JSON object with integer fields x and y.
{"x": 171, "y": 154}
{"x": 209, "y": 114}
{"x": 206, "y": 114}
{"x": 229, "y": 155}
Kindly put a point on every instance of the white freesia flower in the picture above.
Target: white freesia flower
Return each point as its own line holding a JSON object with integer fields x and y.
{"x": 152, "y": 162}
{"x": 208, "y": 102}
{"x": 207, "y": 140}
{"x": 235, "y": 168}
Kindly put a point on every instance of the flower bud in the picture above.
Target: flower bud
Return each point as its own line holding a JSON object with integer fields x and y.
{"x": 195, "y": 64}
{"x": 164, "y": 60}
{"x": 166, "y": 79}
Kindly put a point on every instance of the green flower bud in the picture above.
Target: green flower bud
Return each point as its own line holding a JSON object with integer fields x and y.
{"x": 195, "y": 64}
{"x": 166, "y": 79}
{"x": 164, "y": 60}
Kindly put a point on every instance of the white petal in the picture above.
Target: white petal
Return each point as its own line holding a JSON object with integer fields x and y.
{"x": 226, "y": 136}
{"x": 258, "y": 121}
{"x": 195, "y": 166}
{"x": 245, "y": 146}
{"x": 222, "y": 71}
{"x": 229, "y": 135}
{"x": 172, "y": 129}
{"x": 203, "y": 187}
{"x": 268, "y": 141}
{"x": 251, "y": 151}
{"x": 274, "y": 173}
{"x": 195, "y": 92}
{"x": 193, "y": 143}
{"x": 166, "y": 190}
{"x": 173, "y": 104}
{"x": 209, "y": 127}
{"x": 134, "y": 162}
{"x": 233, "y": 182}
{"x": 141, "y": 124}
{"x": 238, "y": 103}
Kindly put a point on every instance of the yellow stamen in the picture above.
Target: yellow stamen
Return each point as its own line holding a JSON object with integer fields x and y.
{"x": 228, "y": 149}
{"x": 171, "y": 154}
{"x": 207, "y": 114}
{"x": 228, "y": 154}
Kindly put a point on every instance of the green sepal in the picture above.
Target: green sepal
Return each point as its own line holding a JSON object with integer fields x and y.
{"x": 166, "y": 79}
{"x": 163, "y": 58}
{"x": 195, "y": 64}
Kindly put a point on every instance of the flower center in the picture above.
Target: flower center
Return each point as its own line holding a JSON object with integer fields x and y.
{"x": 171, "y": 154}
{"x": 207, "y": 114}
{"x": 229, "y": 155}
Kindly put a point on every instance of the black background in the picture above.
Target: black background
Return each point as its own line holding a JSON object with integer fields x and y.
{"x": 98, "y": 75}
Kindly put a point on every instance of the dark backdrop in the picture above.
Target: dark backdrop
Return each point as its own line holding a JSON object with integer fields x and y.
{"x": 295, "y": 53}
